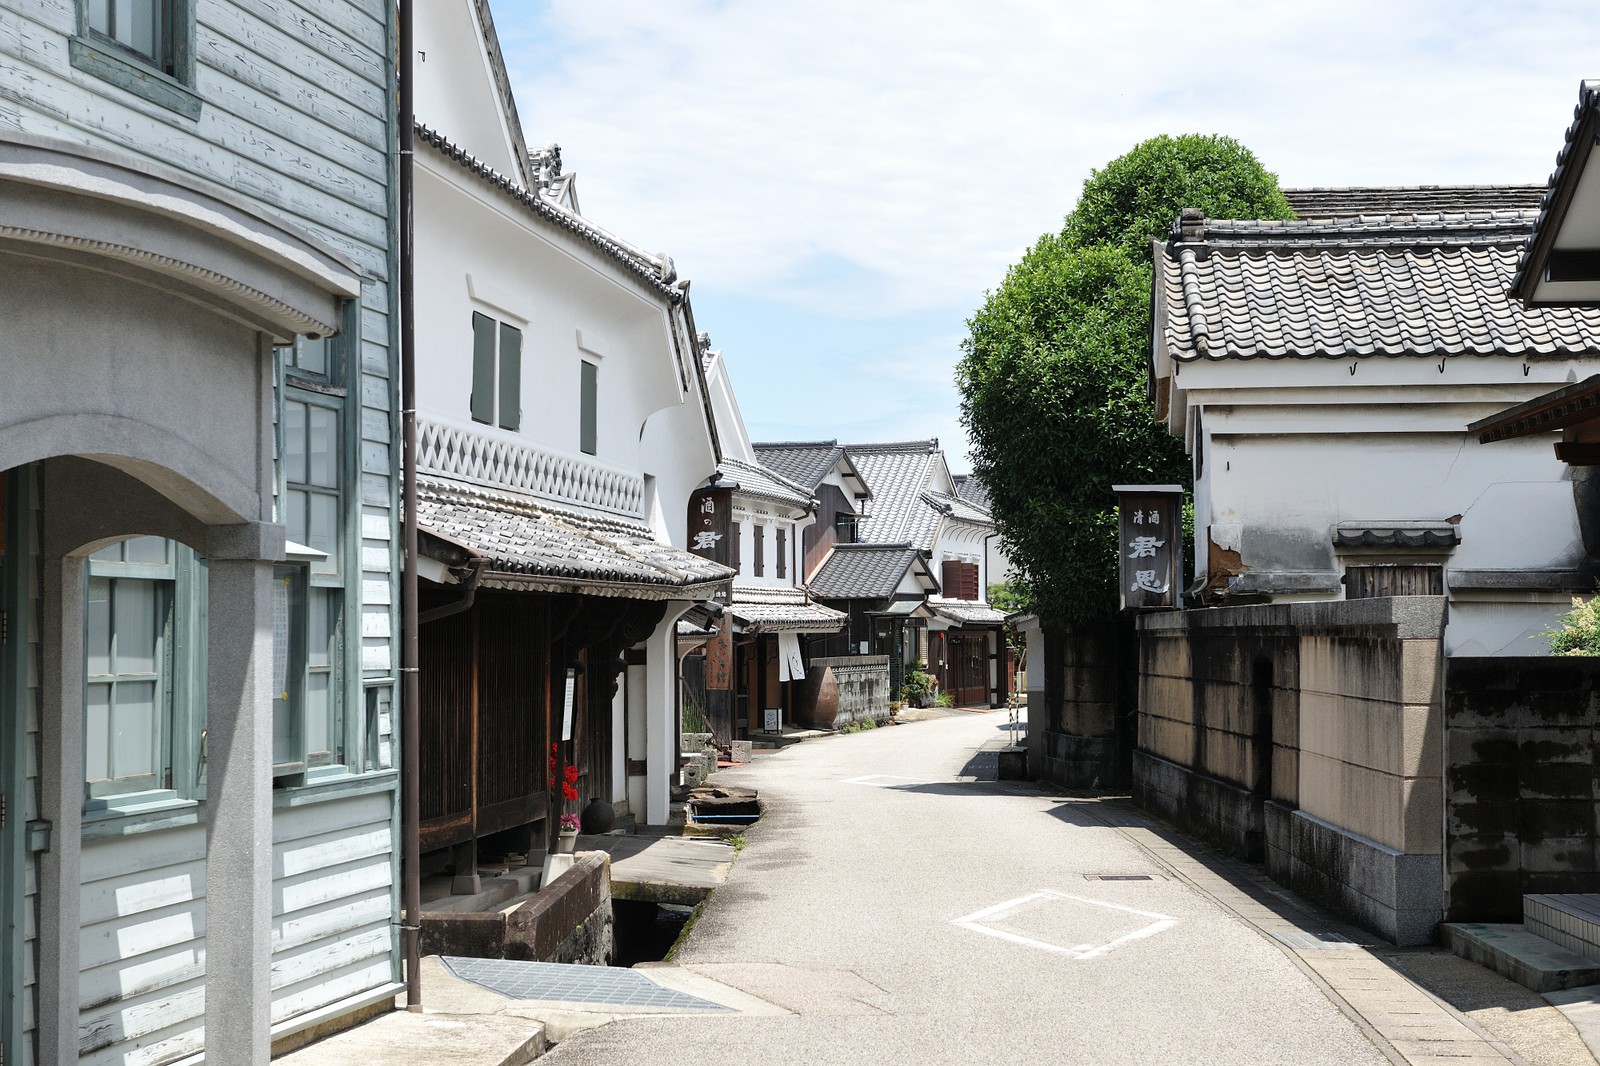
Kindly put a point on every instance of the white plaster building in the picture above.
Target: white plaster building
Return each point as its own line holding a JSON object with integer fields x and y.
{"x": 1322, "y": 374}
{"x": 564, "y": 423}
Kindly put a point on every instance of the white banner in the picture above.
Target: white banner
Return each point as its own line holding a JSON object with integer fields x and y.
{"x": 791, "y": 667}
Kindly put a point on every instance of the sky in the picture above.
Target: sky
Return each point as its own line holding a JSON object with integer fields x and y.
{"x": 845, "y": 180}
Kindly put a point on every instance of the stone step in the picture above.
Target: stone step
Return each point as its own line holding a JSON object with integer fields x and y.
{"x": 1570, "y": 919}
{"x": 1524, "y": 957}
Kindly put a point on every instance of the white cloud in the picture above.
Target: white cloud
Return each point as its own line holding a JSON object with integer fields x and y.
{"x": 925, "y": 142}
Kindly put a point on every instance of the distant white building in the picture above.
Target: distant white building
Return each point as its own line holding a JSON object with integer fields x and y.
{"x": 1322, "y": 374}
{"x": 564, "y": 425}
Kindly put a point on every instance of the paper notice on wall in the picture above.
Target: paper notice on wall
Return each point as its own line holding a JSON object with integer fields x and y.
{"x": 791, "y": 667}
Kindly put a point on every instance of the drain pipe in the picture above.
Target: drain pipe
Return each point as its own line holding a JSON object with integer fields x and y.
{"x": 411, "y": 713}
{"x": 469, "y": 592}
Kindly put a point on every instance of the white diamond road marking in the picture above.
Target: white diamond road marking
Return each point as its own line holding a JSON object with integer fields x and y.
{"x": 1079, "y": 952}
{"x": 880, "y": 780}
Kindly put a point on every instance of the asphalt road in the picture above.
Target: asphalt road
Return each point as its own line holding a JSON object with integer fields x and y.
{"x": 846, "y": 909}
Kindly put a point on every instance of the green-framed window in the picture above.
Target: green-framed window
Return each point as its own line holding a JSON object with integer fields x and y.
{"x": 143, "y": 46}
{"x": 496, "y": 372}
{"x": 588, "y": 408}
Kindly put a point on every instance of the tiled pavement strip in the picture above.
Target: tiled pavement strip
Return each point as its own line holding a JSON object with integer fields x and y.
{"x": 1405, "y": 1022}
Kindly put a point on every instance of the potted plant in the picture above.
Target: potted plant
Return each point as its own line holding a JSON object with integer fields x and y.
{"x": 565, "y": 779}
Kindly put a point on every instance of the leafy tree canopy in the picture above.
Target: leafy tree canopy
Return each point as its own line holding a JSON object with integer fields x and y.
{"x": 1052, "y": 379}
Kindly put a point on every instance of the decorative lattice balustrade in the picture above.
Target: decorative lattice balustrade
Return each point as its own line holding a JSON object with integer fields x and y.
{"x": 473, "y": 457}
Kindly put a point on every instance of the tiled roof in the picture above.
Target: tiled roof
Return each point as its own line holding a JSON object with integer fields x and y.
{"x": 863, "y": 571}
{"x": 758, "y": 611}
{"x": 759, "y": 481}
{"x": 534, "y": 546}
{"x": 1324, "y": 202}
{"x": 657, "y": 272}
{"x": 1424, "y": 285}
{"x": 958, "y": 508}
{"x": 803, "y": 462}
{"x": 897, "y": 473}
{"x": 1559, "y": 190}
{"x": 974, "y": 491}
{"x": 966, "y": 612}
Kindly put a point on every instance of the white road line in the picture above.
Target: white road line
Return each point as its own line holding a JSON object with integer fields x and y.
{"x": 879, "y": 780}
{"x": 975, "y": 920}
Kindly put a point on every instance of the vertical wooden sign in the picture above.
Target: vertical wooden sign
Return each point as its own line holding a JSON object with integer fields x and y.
{"x": 719, "y": 658}
{"x": 710, "y": 518}
{"x": 1150, "y": 546}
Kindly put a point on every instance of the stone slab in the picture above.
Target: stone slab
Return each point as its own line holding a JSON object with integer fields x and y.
{"x": 652, "y": 869}
{"x": 1524, "y": 957}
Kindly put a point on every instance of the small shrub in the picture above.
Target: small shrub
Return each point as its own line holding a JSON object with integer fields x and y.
{"x": 738, "y": 841}
{"x": 918, "y": 686}
{"x": 1577, "y": 631}
{"x": 944, "y": 699}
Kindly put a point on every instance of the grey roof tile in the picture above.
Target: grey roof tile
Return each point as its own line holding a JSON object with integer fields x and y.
{"x": 974, "y": 491}
{"x": 1329, "y": 202}
{"x": 1571, "y": 162}
{"x": 1420, "y": 285}
{"x": 863, "y": 571}
{"x": 763, "y": 482}
{"x": 897, "y": 473}
{"x": 536, "y": 546}
{"x": 803, "y": 462}
{"x": 966, "y": 612}
{"x": 960, "y": 509}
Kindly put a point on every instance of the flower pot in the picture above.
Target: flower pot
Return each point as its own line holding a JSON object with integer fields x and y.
{"x": 598, "y": 817}
{"x": 566, "y": 841}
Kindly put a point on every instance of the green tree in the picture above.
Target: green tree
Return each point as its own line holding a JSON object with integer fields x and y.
{"x": 1052, "y": 378}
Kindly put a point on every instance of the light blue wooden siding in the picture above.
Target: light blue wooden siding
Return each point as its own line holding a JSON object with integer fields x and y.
{"x": 295, "y": 107}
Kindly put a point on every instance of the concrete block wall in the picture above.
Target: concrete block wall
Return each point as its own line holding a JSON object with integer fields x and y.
{"x": 1073, "y": 726}
{"x": 1371, "y": 736}
{"x": 1347, "y": 804}
{"x": 1522, "y": 799}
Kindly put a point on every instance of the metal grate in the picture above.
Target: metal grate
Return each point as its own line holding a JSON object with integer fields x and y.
{"x": 1122, "y": 877}
{"x": 1309, "y": 940}
{"x": 565, "y": 983}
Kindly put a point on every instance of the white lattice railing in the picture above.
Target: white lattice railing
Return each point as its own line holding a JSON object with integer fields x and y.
{"x": 468, "y": 456}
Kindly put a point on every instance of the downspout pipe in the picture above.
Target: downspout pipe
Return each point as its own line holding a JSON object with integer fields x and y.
{"x": 469, "y": 592}
{"x": 411, "y": 713}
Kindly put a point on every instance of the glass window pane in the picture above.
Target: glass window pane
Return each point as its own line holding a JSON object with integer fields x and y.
{"x": 294, "y": 442}
{"x": 149, "y": 550}
{"x": 97, "y": 733}
{"x": 324, "y": 448}
{"x": 133, "y": 613}
{"x": 100, "y": 16}
{"x": 284, "y": 747}
{"x": 319, "y": 716}
{"x": 319, "y": 632}
{"x": 295, "y": 517}
{"x": 312, "y": 355}
{"x": 325, "y": 532}
{"x": 135, "y": 737}
{"x": 141, "y": 33}
{"x": 111, "y": 553}
{"x": 97, "y": 628}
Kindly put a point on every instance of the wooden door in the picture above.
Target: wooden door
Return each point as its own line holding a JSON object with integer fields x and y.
{"x": 967, "y": 669}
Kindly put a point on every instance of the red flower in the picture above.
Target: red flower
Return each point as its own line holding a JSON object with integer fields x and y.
{"x": 572, "y": 775}
{"x": 569, "y": 793}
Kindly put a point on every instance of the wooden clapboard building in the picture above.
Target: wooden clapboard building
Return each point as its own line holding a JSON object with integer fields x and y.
{"x": 564, "y": 424}
{"x": 198, "y": 800}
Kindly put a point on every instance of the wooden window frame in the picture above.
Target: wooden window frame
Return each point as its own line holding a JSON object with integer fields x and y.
{"x": 758, "y": 548}
{"x": 780, "y": 547}
{"x": 165, "y": 77}
{"x": 588, "y": 407}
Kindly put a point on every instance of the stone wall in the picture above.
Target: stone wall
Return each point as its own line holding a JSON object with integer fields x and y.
{"x": 1308, "y": 736}
{"x": 1521, "y": 792}
{"x": 841, "y": 689}
{"x": 568, "y": 921}
{"x": 1079, "y": 731}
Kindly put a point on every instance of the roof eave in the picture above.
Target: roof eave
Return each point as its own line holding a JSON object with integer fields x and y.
{"x": 1534, "y": 264}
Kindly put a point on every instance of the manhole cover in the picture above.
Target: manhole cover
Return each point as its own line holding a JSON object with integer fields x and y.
{"x": 565, "y": 983}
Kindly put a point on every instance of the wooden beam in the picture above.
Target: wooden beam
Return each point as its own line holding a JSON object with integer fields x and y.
{"x": 1578, "y": 453}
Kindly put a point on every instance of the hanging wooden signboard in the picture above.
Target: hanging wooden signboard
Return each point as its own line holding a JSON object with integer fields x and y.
{"x": 1150, "y": 546}
{"x": 719, "y": 658}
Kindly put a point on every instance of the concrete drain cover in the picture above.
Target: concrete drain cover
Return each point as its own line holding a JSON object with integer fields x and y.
{"x": 562, "y": 983}
{"x": 1304, "y": 940}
